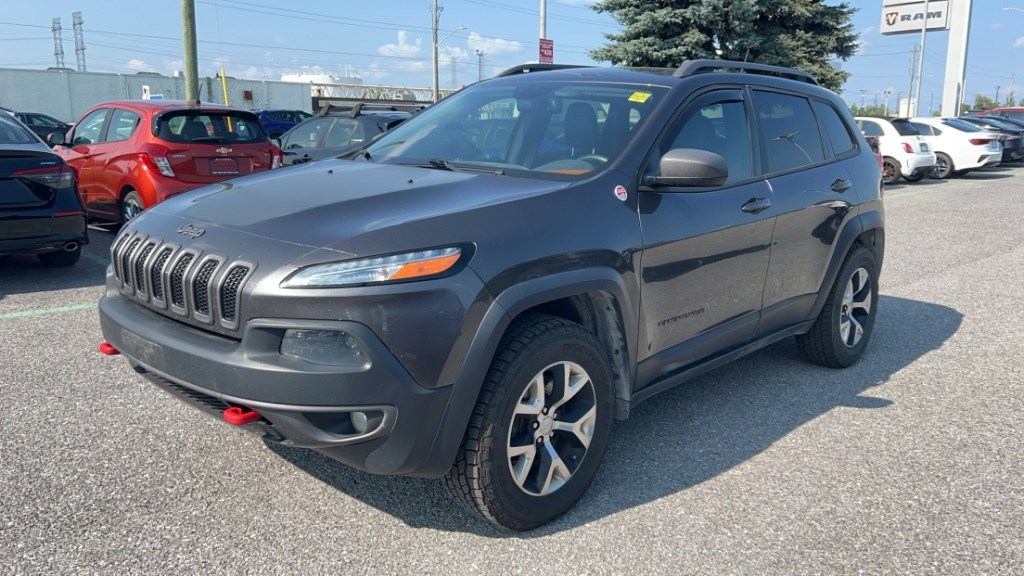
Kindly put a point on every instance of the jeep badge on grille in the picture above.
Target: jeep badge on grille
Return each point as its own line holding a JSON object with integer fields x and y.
{"x": 191, "y": 231}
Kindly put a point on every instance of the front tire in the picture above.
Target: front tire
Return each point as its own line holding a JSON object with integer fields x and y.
{"x": 540, "y": 427}
{"x": 843, "y": 328}
{"x": 917, "y": 176}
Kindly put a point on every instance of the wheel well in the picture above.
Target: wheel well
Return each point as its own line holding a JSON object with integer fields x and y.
{"x": 124, "y": 192}
{"x": 600, "y": 314}
{"x": 874, "y": 240}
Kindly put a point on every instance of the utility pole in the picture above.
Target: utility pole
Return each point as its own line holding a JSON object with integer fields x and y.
{"x": 435, "y": 19}
{"x": 543, "y": 18}
{"x": 931, "y": 100}
{"x": 479, "y": 65}
{"x": 920, "y": 65}
{"x": 997, "y": 95}
{"x": 455, "y": 73}
{"x": 911, "y": 107}
{"x": 862, "y": 92}
{"x": 1010, "y": 95}
{"x": 188, "y": 36}
{"x": 899, "y": 107}
{"x": 887, "y": 92}
{"x": 76, "y": 25}
{"x": 58, "y": 43}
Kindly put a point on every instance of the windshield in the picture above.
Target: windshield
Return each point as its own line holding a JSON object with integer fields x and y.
{"x": 210, "y": 127}
{"x": 557, "y": 130}
{"x": 11, "y": 132}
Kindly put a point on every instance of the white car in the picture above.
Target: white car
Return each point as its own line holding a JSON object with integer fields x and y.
{"x": 959, "y": 146}
{"x": 904, "y": 152}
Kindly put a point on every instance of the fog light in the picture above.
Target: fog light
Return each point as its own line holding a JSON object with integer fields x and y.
{"x": 327, "y": 347}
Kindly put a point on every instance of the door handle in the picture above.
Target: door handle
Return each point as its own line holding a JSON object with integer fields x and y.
{"x": 756, "y": 205}
{"x": 841, "y": 185}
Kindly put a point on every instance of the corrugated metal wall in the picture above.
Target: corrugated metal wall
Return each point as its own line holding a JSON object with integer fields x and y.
{"x": 66, "y": 95}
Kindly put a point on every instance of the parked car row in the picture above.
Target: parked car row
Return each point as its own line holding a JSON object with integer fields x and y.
{"x": 912, "y": 148}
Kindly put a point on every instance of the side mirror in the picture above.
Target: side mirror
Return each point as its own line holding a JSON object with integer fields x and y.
{"x": 690, "y": 167}
{"x": 276, "y": 142}
{"x": 55, "y": 138}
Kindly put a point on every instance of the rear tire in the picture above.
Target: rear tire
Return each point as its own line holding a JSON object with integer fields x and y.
{"x": 917, "y": 176}
{"x": 131, "y": 206}
{"x": 943, "y": 166}
{"x": 890, "y": 170}
{"x": 843, "y": 328}
{"x": 540, "y": 426}
{"x": 60, "y": 258}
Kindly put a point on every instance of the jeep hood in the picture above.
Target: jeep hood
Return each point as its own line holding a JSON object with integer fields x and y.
{"x": 323, "y": 204}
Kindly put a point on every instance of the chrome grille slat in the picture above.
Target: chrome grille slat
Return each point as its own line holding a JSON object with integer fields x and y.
{"x": 156, "y": 278}
{"x": 201, "y": 287}
{"x": 182, "y": 283}
{"x": 138, "y": 267}
{"x": 178, "y": 280}
{"x": 126, "y": 271}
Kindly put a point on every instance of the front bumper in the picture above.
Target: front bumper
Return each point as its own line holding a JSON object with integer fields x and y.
{"x": 375, "y": 418}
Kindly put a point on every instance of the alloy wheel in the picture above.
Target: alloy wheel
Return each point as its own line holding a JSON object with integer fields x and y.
{"x": 551, "y": 429}
{"x": 856, "y": 308}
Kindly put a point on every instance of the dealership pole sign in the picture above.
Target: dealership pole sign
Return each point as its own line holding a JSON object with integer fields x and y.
{"x": 547, "y": 51}
{"x": 904, "y": 16}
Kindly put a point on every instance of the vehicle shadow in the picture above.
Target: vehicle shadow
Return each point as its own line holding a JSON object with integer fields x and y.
{"x": 687, "y": 435}
{"x": 24, "y": 274}
{"x": 989, "y": 174}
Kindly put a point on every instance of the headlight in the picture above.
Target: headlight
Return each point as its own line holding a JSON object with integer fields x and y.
{"x": 408, "y": 266}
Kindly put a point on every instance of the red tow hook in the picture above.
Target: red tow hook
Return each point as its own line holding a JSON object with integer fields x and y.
{"x": 107, "y": 350}
{"x": 238, "y": 416}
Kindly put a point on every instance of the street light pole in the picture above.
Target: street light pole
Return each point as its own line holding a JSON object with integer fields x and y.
{"x": 435, "y": 18}
{"x": 920, "y": 64}
{"x": 188, "y": 37}
{"x": 479, "y": 64}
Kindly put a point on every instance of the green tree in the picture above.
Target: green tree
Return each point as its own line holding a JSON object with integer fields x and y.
{"x": 1011, "y": 99}
{"x": 802, "y": 34}
{"x": 868, "y": 110}
{"x": 982, "y": 102}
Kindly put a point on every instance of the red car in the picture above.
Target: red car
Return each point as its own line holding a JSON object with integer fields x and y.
{"x": 132, "y": 154}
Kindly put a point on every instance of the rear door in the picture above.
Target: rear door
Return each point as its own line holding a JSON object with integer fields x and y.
{"x": 81, "y": 151}
{"x": 300, "y": 143}
{"x": 110, "y": 160}
{"x": 346, "y": 134}
{"x": 814, "y": 196}
{"x": 212, "y": 145}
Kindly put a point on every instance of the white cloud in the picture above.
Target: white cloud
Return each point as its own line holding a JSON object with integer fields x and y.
{"x": 997, "y": 26}
{"x": 403, "y": 48}
{"x": 1019, "y": 43}
{"x": 493, "y": 46}
{"x": 136, "y": 65}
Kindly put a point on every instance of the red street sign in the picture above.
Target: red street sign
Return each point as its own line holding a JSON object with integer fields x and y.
{"x": 547, "y": 51}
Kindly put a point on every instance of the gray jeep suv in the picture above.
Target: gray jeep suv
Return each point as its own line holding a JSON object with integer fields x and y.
{"x": 477, "y": 294}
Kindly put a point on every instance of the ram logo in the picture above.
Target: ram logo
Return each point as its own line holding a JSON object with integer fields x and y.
{"x": 891, "y": 18}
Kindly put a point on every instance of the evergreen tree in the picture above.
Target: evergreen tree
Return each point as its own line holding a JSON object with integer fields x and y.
{"x": 802, "y": 34}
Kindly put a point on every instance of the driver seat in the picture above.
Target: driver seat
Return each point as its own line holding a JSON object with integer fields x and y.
{"x": 581, "y": 130}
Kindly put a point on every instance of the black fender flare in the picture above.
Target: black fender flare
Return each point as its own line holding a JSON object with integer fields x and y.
{"x": 505, "y": 307}
{"x": 863, "y": 222}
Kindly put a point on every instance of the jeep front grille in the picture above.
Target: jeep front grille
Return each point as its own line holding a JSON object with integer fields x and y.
{"x": 181, "y": 282}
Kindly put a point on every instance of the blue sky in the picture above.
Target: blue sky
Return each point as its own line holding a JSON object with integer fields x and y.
{"x": 388, "y": 42}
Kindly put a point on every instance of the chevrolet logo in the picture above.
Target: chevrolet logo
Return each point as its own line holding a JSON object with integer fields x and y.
{"x": 191, "y": 231}
{"x": 223, "y": 150}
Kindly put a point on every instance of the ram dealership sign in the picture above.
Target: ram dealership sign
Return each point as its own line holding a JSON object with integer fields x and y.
{"x": 903, "y": 16}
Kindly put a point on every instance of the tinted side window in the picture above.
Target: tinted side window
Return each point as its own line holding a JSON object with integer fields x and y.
{"x": 871, "y": 128}
{"x": 905, "y": 128}
{"x": 721, "y": 128}
{"x": 836, "y": 130}
{"x": 344, "y": 132}
{"x": 88, "y": 130}
{"x": 790, "y": 131}
{"x": 926, "y": 129}
{"x": 122, "y": 125}
{"x": 306, "y": 135}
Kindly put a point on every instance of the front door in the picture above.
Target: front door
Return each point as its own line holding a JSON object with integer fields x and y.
{"x": 705, "y": 249}
{"x": 80, "y": 153}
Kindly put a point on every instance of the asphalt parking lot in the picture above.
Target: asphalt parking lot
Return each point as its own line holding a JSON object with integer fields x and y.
{"x": 908, "y": 463}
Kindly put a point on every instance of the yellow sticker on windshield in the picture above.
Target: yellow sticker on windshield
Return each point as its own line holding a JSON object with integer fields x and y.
{"x": 641, "y": 97}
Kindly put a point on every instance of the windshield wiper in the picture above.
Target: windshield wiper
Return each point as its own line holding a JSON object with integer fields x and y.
{"x": 446, "y": 165}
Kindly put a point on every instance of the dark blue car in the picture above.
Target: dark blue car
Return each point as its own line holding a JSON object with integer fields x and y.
{"x": 277, "y": 122}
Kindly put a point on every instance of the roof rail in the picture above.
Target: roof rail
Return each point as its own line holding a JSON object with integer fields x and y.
{"x": 354, "y": 110}
{"x": 691, "y": 67}
{"x": 536, "y": 67}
